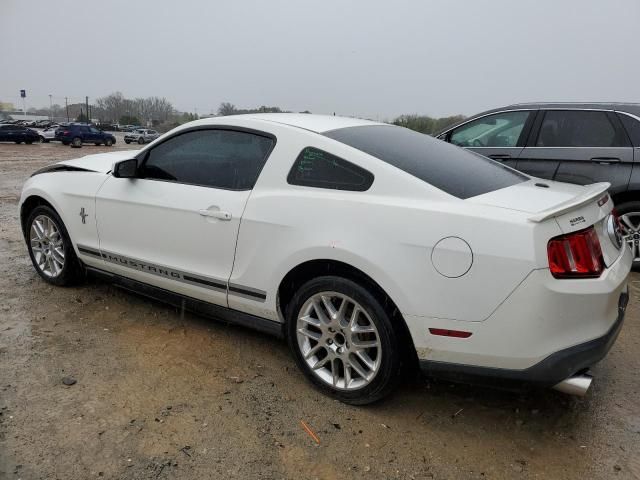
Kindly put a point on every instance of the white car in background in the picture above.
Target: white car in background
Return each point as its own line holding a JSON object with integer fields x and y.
{"x": 48, "y": 134}
{"x": 141, "y": 136}
{"x": 366, "y": 245}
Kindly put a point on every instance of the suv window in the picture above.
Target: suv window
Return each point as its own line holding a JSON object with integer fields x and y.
{"x": 578, "y": 128}
{"x": 214, "y": 158}
{"x": 317, "y": 168}
{"x": 632, "y": 126}
{"x": 456, "y": 171}
{"x": 497, "y": 130}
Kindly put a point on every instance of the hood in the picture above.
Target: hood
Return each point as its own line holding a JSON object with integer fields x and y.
{"x": 533, "y": 196}
{"x": 100, "y": 162}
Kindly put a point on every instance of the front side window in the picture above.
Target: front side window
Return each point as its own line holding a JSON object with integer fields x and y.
{"x": 226, "y": 159}
{"x": 317, "y": 168}
{"x": 578, "y": 128}
{"x": 497, "y": 130}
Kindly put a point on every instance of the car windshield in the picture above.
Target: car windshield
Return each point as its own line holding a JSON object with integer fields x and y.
{"x": 458, "y": 172}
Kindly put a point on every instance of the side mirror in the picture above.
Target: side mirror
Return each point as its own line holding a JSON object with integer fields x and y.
{"x": 125, "y": 169}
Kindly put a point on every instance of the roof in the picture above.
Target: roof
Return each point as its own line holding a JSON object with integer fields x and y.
{"x": 633, "y": 108}
{"x": 307, "y": 121}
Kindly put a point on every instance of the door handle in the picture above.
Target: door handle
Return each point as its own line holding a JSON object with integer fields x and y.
{"x": 500, "y": 156}
{"x": 605, "y": 160}
{"x": 220, "y": 215}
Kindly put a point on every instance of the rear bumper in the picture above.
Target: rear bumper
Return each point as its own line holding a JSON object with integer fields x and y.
{"x": 553, "y": 369}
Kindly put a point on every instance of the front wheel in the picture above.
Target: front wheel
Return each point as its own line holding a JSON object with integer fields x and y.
{"x": 127, "y": 142}
{"x": 141, "y": 140}
{"x": 50, "y": 248}
{"x": 629, "y": 213}
{"x": 108, "y": 142}
{"x": 343, "y": 340}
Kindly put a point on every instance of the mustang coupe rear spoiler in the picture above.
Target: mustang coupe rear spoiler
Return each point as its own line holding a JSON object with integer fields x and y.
{"x": 591, "y": 193}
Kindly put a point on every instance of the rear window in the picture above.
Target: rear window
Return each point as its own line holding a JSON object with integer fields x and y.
{"x": 453, "y": 170}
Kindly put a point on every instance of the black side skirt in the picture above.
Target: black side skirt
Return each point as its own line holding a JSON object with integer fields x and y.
{"x": 216, "y": 312}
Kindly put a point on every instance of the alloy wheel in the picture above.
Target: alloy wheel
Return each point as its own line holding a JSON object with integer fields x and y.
{"x": 47, "y": 246}
{"x": 630, "y": 229}
{"x": 338, "y": 341}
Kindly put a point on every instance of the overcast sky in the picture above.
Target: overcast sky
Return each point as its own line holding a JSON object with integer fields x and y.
{"x": 371, "y": 58}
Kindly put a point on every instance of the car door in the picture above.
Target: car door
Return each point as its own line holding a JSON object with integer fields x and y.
{"x": 500, "y": 136}
{"x": 579, "y": 146}
{"x": 5, "y": 133}
{"x": 175, "y": 225}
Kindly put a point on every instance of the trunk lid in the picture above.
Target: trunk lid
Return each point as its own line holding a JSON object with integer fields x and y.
{"x": 572, "y": 207}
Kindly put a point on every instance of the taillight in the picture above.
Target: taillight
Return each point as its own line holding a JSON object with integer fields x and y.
{"x": 576, "y": 255}
{"x": 66, "y": 132}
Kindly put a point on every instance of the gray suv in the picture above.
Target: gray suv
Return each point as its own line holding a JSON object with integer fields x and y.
{"x": 569, "y": 142}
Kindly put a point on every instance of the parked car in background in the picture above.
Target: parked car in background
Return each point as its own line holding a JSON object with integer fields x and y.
{"x": 141, "y": 136}
{"x": 77, "y": 134}
{"x": 18, "y": 134}
{"x": 48, "y": 134}
{"x": 579, "y": 143}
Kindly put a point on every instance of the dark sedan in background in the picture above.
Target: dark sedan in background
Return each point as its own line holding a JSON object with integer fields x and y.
{"x": 579, "y": 143}
{"x": 18, "y": 134}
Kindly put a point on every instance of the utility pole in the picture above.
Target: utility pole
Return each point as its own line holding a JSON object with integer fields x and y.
{"x": 50, "y": 108}
{"x": 86, "y": 99}
{"x": 66, "y": 104}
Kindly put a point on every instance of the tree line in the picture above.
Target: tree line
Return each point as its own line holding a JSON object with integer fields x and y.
{"x": 160, "y": 113}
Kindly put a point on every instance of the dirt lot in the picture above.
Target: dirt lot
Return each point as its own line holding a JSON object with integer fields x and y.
{"x": 161, "y": 394}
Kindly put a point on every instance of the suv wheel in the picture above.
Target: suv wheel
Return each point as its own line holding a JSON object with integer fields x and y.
{"x": 50, "y": 248}
{"x": 343, "y": 340}
{"x": 108, "y": 142}
{"x": 630, "y": 226}
{"x": 76, "y": 142}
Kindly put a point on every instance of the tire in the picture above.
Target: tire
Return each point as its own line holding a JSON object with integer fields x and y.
{"x": 108, "y": 142}
{"x": 141, "y": 140}
{"x": 629, "y": 213}
{"x": 127, "y": 142}
{"x": 337, "y": 346}
{"x": 42, "y": 245}
{"x": 76, "y": 142}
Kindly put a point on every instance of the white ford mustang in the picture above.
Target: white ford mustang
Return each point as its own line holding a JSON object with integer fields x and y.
{"x": 366, "y": 245}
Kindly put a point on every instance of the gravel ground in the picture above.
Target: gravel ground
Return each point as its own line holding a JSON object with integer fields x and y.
{"x": 165, "y": 394}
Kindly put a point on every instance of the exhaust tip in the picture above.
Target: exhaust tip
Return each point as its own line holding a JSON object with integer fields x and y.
{"x": 576, "y": 385}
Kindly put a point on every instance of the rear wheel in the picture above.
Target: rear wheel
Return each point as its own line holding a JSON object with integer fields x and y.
{"x": 630, "y": 226}
{"x": 76, "y": 142}
{"x": 50, "y": 248}
{"x": 343, "y": 340}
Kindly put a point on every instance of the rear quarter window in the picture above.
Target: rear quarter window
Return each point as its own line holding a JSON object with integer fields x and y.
{"x": 320, "y": 169}
{"x": 456, "y": 171}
